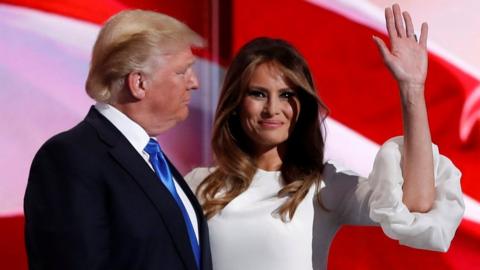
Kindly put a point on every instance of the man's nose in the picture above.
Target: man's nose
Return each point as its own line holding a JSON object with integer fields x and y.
{"x": 193, "y": 83}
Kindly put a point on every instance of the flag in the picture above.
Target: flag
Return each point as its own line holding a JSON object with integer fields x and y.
{"x": 45, "y": 50}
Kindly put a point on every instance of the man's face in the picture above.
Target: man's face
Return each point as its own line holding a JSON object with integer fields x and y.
{"x": 168, "y": 90}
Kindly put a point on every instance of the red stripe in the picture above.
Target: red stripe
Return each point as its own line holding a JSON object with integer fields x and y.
{"x": 12, "y": 249}
{"x": 369, "y": 248}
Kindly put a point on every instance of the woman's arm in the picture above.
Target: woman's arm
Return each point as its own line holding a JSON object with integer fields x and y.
{"x": 408, "y": 61}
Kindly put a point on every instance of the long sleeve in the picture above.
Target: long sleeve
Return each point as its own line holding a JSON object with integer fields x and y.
{"x": 346, "y": 195}
{"x": 433, "y": 230}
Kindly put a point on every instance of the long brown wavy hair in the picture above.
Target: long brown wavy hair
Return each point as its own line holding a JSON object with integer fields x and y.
{"x": 302, "y": 163}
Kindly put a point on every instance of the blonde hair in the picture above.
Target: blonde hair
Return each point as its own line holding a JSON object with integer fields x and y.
{"x": 303, "y": 162}
{"x": 130, "y": 41}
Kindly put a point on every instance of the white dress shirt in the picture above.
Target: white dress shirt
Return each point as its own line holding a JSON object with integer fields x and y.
{"x": 139, "y": 138}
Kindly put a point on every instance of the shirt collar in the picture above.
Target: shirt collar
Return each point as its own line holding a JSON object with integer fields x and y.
{"x": 134, "y": 133}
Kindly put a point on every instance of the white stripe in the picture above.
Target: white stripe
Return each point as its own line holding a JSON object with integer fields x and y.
{"x": 365, "y": 13}
{"x": 469, "y": 117}
{"x": 44, "y": 65}
{"x": 357, "y": 155}
{"x": 76, "y": 34}
{"x": 472, "y": 209}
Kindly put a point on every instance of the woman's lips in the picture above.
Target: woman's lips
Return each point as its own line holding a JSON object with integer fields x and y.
{"x": 270, "y": 123}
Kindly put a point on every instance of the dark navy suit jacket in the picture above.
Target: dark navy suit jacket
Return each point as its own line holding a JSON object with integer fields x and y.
{"x": 92, "y": 202}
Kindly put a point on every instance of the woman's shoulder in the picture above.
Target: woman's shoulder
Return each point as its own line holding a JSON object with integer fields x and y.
{"x": 334, "y": 170}
{"x": 197, "y": 175}
{"x": 200, "y": 172}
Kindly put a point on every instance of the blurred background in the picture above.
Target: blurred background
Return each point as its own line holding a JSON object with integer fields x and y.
{"x": 44, "y": 56}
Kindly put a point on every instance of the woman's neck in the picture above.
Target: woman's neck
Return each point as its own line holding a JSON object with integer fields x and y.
{"x": 269, "y": 159}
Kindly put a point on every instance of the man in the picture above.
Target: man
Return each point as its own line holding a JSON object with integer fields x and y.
{"x": 102, "y": 195}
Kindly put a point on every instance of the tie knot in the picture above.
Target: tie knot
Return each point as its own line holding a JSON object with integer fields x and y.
{"x": 152, "y": 148}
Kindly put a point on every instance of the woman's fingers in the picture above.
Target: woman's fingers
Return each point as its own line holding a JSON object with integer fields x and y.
{"x": 407, "y": 58}
{"x": 408, "y": 25}
{"x": 390, "y": 21}
{"x": 424, "y": 35}
{"x": 382, "y": 47}
{"x": 397, "y": 14}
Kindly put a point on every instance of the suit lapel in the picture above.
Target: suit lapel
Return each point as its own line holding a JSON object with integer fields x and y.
{"x": 128, "y": 158}
{"x": 186, "y": 189}
{"x": 202, "y": 223}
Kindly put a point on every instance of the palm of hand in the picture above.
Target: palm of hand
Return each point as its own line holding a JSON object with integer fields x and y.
{"x": 407, "y": 59}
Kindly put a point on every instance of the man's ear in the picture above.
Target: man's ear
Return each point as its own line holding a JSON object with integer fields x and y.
{"x": 137, "y": 84}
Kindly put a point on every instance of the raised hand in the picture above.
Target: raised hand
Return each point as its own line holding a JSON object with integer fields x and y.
{"x": 407, "y": 59}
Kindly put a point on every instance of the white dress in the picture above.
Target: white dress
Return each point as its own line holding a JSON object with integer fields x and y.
{"x": 249, "y": 234}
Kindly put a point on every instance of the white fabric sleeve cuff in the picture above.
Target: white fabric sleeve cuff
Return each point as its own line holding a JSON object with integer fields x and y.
{"x": 433, "y": 230}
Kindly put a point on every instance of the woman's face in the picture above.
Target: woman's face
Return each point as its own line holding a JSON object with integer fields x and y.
{"x": 269, "y": 108}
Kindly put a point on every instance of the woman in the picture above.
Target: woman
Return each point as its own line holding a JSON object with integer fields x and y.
{"x": 274, "y": 204}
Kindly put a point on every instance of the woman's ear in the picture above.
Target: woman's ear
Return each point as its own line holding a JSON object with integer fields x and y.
{"x": 137, "y": 84}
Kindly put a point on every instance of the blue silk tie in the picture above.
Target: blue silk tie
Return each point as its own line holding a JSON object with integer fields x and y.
{"x": 160, "y": 165}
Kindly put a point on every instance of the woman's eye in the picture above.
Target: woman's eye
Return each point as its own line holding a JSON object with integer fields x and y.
{"x": 288, "y": 94}
{"x": 256, "y": 93}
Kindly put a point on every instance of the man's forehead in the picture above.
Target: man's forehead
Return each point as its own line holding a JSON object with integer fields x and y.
{"x": 182, "y": 55}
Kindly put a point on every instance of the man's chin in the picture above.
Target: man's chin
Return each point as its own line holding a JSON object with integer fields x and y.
{"x": 184, "y": 114}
